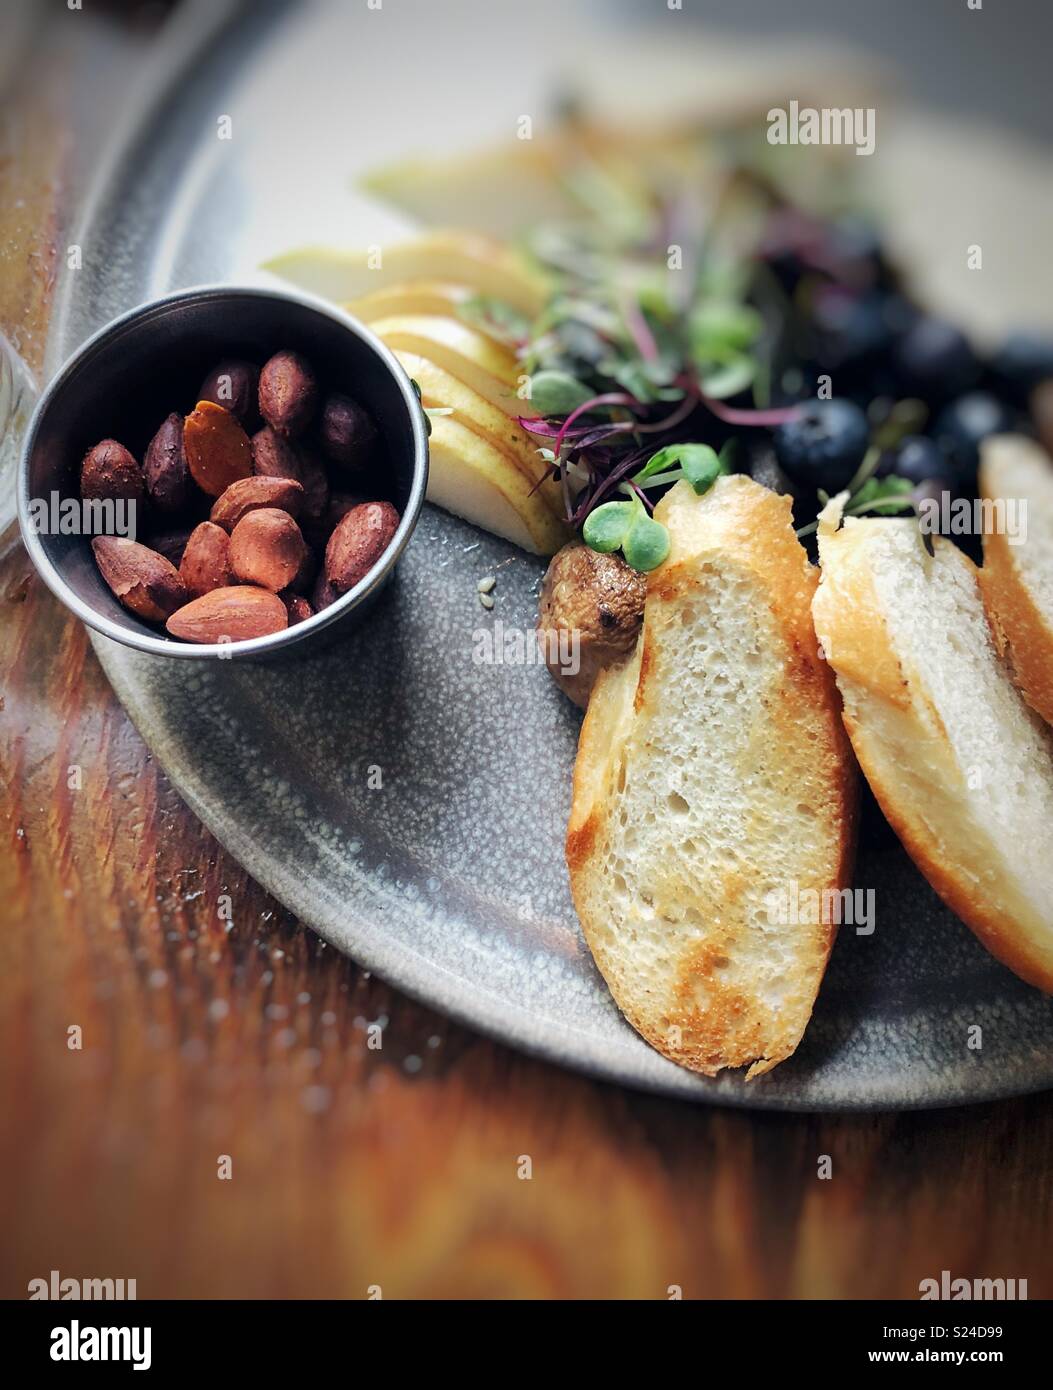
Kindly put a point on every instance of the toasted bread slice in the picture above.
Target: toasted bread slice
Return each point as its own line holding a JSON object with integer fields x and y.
{"x": 963, "y": 769}
{"x": 713, "y": 779}
{"x": 1017, "y": 576}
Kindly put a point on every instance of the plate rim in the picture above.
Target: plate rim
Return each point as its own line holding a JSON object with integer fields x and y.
{"x": 500, "y": 1020}
{"x": 470, "y": 1010}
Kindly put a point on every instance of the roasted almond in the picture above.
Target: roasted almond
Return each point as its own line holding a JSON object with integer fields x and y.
{"x": 323, "y": 593}
{"x": 109, "y": 471}
{"x": 206, "y": 560}
{"x": 317, "y": 530}
{"x": 249, "y": 494}
{"x": 315, "y": 481}
{"x": 347, "y": 433}
{"x": 288, "y": 393}
{"x": 145, "y": 582}
{"x": 229, "y": 615}
{"x": 164, "y": 467}
{"x": 266, "y": 548}
{"x": 299, "y": 608}
{"x": 234, "y": 384}
{"x": 273, "y": 456}
{"x": 217, "y": 449}
{"x": 340, "y": 503}
{"x": 358, "y": 542}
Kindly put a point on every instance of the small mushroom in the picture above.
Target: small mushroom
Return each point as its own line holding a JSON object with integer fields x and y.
{"x": 589, "y": 616}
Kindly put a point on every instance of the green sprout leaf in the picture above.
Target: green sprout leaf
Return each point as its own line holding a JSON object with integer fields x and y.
{"x": 659, "y": 462}
{"x": 580, "y": 342}
{"x": 625, "y": 526}
{"x": 729, "y": 454}
{"x": 723, "y": 379}
{"x": 558, "y": 393}
{"x": 883, "y": 496}
{"x": 497, "y": 317}
{"x": 701, "y": 467}
{"x": 647, "y": 381}
{"x": 647, "y": 544}
{"x": 724, "y": 324}
{"x": 607, "y": 527}
{"x": 698, "y": 463}
{"x": 877, "y": 496}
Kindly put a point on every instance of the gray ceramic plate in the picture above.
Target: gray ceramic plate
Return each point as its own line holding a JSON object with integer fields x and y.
{"x": 448, "y": 879}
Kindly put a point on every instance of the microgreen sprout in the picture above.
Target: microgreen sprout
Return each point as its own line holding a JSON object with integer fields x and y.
{"x": 498, "y": 319}
{"x": 869, "y": 495}
{"x": 626, "y": 526}
{"x": 625, "y": 357}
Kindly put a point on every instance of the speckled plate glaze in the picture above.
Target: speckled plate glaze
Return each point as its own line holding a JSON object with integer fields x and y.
{"x": 448, "y": 879}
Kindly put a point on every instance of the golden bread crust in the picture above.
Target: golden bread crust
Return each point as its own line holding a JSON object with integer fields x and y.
{"x": 906, "y": 757}
{"x": 1021, "y": 629}
{"x": 703, "y": 1021}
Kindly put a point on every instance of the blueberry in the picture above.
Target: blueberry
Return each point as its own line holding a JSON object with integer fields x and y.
{"x": 850, "y": 329}
{"x": 855, "y": 239}
{"x": 825, "y": 445}
{"x": 854, "y": 253}
{"x": 876, "y": 381}
{"x": 899, "y": 313}
{"x": 934, "y": 358}
{"x": 962, "y": 425}
{"x": 918, "y": 459}
{"x": 1023, "y": 360}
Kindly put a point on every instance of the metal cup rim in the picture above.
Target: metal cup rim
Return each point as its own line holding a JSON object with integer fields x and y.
{"x": 255, "y": 646}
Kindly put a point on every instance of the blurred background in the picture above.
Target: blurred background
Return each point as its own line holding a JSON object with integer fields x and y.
{"x": 324, "y": 90}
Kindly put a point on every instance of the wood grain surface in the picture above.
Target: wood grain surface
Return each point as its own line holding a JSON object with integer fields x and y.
{"x": 351, "y": 1167}
{"x": 396, "y": 1167}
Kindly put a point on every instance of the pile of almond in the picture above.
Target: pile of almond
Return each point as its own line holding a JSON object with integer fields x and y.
{"x": 255, "y": 533}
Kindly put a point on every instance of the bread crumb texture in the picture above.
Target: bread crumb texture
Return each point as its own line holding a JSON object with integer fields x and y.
{"x": 713, "y": 780}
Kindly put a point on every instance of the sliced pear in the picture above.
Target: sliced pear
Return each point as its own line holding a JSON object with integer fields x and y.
{"x": 518, "y": 184}
{"x": 440, "y": 388}
{"x": 487, "y": 266}
{"x": 471, "y": 478}
{"x": 437, "y": 190}
{"x": 441, "y": 297}
{"x": 487, "y": 367}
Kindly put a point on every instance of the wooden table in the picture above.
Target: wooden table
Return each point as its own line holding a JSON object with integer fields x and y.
{"x": 353, "y": 1168}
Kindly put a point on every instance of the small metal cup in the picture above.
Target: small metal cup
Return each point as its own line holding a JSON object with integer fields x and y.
{"x": 125, "y": 379}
